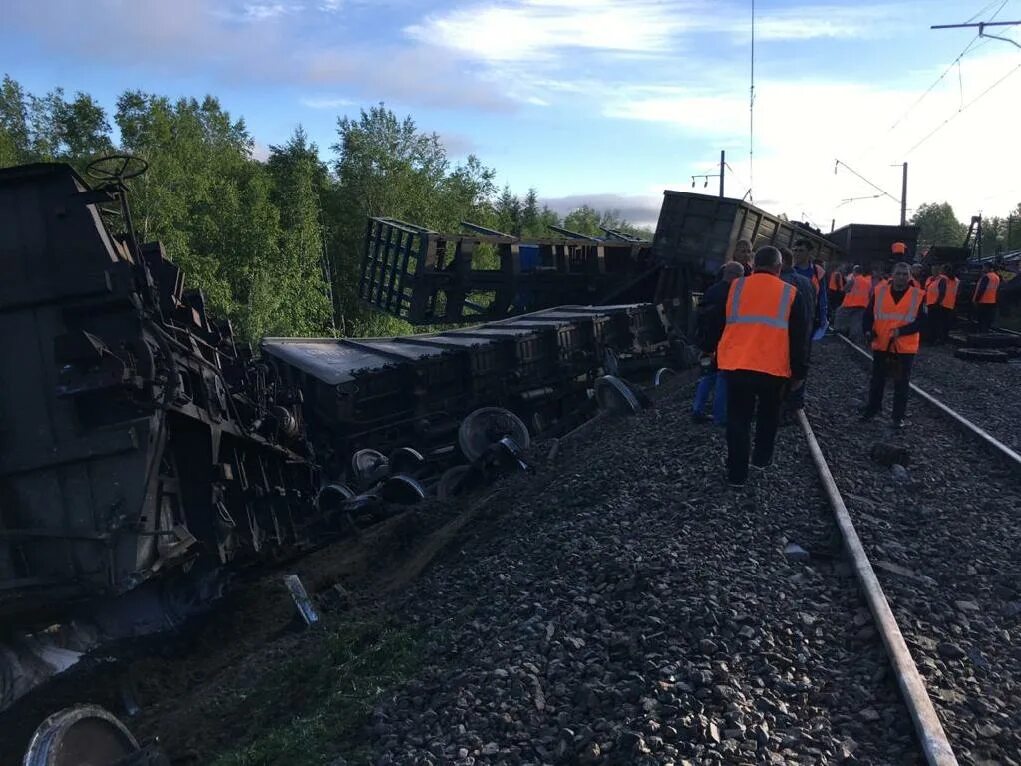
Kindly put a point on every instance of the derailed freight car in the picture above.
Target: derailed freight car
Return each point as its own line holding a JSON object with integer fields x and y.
{"x": 135, "y": 437}
{"x": 427, "y": 277}
{"x": 384, "y": 393}
{"x": 141, "y": 448}
{"x": 703, "y": 230}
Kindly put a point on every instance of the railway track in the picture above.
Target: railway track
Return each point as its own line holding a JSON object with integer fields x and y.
{"x": 942, "y": 536}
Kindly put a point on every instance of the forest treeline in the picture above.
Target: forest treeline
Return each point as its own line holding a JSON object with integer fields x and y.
{"x": 274, "y": 243}
{"x": 271, "y": 243}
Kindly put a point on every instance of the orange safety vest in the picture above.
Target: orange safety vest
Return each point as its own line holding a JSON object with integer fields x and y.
{"x": 950, "y": 296}
{"x": 818, "y": 274}
{"x": 861, "y": 289}
{"x": 756, "y": 335}
{"x": 992, "y": 288}
{"x": 932, "y": 289}
{"x": 888, "y": 315}
{"x": 836, "y": 281}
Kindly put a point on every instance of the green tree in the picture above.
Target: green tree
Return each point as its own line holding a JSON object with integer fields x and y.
{"x": 300, "y": 183}
{"x": 587, "y": 220}
{"x": 14, "y": 138}
{"x": 507, "y": 209}
{"x": 937, "y": 225}
{"x": 584, "y": 220}
{"x": 994, "y": 235}
{"x": 386, "y": 167}
{"x": 210, "y": 204}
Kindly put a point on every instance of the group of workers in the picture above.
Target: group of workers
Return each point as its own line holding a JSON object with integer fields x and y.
{"x": 756, "y": 325}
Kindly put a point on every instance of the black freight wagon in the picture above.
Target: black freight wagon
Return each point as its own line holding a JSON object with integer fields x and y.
{"x": 872, "y": 244}
{"x": 702, "y": 230}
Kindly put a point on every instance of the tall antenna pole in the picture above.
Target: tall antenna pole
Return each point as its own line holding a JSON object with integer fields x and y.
{"x": 904, "y": 196}
{"x": 723, "y": 164}
{"x": 751, "y": 114}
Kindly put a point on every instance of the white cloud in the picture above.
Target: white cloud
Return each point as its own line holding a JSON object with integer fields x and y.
{"x": 263, "y": 11}
{"x": 531, "y": 30}
{"x": 826, "y": 21}
{"x": 326, "y": 103}
{"x": 543, "y": 30}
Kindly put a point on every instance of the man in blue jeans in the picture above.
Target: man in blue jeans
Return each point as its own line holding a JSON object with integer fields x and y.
{"x": 708, "y": 332}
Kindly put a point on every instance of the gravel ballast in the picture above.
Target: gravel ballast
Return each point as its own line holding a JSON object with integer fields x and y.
{"x": 944, "y": 535}
{"x": 984, "y": 392}
{"x": 623, "y": 606}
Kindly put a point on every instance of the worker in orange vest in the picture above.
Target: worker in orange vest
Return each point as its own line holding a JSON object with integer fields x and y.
{"x": 857, "y": 293}
{"x": 938, "y": 323}
{"x": 892, "y": 322}
{"x": 947, "y": 302}
{"x": 984, "y": 298}
{"x": 764, "y": 351}
{"x": 835, "y": 287}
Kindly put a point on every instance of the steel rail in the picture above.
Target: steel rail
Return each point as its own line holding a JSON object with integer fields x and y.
{"x": 984, "y": 435}
{"x": 932, "y": 738}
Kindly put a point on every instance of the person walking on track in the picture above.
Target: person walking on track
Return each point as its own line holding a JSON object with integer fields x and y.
{"x": 984, "y": 298}
{"x": 892, "y": 322}
{"x": 856, "y": 300}
{"x": 708, "y": 329}
{"x": 764, "y": 349}
{"x": 807, "y": 291}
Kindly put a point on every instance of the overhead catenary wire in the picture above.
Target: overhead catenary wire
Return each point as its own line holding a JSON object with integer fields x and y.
{"x": 970, "y": 47}
{"x": 863, "y": 178}
{"x": 961, "y": 110}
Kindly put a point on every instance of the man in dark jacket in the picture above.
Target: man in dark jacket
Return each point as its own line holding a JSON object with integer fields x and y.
{"x": 709, "y": 328}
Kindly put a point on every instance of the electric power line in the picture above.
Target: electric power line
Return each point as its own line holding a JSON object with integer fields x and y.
{"x": 956, "y": 62}
{"x": 863, "y": 178}
{"x": 988, "y": 6}
{"x": 961, "y": 110}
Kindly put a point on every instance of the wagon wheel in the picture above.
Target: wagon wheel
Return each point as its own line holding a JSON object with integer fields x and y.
{"x": 116, "y": 168}
{"x": 83, "y": 734}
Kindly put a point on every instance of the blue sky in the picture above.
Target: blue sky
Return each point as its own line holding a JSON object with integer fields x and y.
{"x": 586, "y": 100}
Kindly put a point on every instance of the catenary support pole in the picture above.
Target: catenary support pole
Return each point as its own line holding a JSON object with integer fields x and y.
{"x": 904, "y": 197}
{"x": 723, "y": 162}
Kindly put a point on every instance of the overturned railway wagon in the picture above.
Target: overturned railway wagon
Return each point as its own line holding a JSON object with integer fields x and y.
{"x": 135, "y": 436}
{"x": 137, "y": 439}
{"x": 385, "y": 393}
{"x": 427, "y": 277}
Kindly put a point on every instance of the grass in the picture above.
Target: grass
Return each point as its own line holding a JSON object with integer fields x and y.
{"x": 314, "y": 707}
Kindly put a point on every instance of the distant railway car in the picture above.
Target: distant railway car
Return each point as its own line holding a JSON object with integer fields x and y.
{"x": 872, "y": 245}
